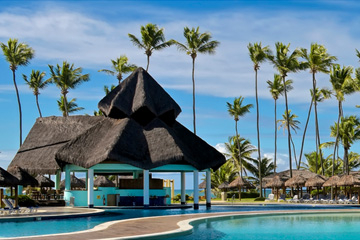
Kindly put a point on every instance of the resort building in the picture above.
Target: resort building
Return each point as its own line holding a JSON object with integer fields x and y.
{"x": 138, "y": 135}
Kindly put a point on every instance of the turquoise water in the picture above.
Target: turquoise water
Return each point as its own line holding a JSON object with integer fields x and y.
{"x": 292, "y": 227}
{"x": 16, "y": 229}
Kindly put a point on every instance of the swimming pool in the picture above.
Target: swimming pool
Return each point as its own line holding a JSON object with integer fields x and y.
{"x": 11, "y": 229}
{"x": 329, "y": 226}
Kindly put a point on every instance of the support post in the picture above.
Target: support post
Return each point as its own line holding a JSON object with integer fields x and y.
{"x": 208, "y": 189}
{"x": 183, "y": 195}
{"x": 16, "y": 197}
{"x": 146, "y": 188}
{"x": 67, "y": 179}
{"x": 1, "y": 197}
{"x": 86, "y": 182}
{"x": 20, "y": 189}
{"x": 57, "y": 180}
{"x": 90, "y": 189}
{"x": 196, "y": 189}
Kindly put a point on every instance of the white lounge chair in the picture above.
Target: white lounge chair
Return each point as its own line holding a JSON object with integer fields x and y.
{"x": 270, "y": 198}
{"x": 295, "y": 199}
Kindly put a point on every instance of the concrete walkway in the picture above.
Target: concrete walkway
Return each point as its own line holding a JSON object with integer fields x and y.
{"x": 134, "y": 228}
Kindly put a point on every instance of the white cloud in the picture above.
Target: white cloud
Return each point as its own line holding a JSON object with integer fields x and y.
{"x": 221, "y": 148}
{"x": 5, "y": 157}
{"x": 281, "y": 160}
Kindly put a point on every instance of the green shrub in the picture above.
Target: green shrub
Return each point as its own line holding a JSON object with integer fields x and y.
{"x": 243, "y": 194}
{"x": 259, "y": 199}
{"x": 314, "y": 192}
{"x": 24, "y": 201}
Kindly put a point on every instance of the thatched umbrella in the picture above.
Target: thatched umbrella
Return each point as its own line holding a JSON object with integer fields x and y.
{"x": 240, "y": 183}
{"x": 297, "y": 181}
{"x": 276, "y": 182}
{"x": 44, "y": 181}
{"x": 102, "y": 181}
{"x": 224, "y": 185}
{"x": 316, "y": 181}
{"x": 332, "y": 182}
{"x": 74, "y": 182}
{"x": 6, "y": 180}
{"x": 25, "y": 179}
{"x": 349, "y": 180}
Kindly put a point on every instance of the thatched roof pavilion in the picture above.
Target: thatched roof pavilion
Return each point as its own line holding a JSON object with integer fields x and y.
{"x": 275, "y": 182}
{"x": 332, "y": 181}
{"x": 224, "y": 185}
{"x": 285, "y": 175}
{"x": 44, "y": 181}
{"x": 139, "y": 133}
{"x": 25, "y": 179}
{"x": 240, "y": 182}
{"x": 348, "y": 180}
{"x": 75, "y": 182}
{"x": 102, "y": 181}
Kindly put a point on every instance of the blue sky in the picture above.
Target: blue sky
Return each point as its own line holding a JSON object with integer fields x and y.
{"x": 90, "y": 33}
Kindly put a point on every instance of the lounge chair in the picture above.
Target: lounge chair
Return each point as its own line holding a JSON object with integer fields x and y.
{"x": 24, "y": 210}
{"x": 295, "y": 199}
{"x": 351, "y": 201}
{"x": 282, "y": 198}
{"x": 270, "y": 198}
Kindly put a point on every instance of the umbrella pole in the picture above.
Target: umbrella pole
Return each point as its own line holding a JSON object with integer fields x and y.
{"x": 1, "y": 197}
{"x": 16, "y": 196}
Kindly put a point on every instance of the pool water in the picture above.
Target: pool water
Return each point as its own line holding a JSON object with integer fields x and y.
{"x": 290, "y": 227}
{"x": 12, "y": 229}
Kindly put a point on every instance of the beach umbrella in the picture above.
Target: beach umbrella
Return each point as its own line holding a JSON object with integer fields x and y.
{"x": 316, "y": 181}
{"x": 240, "y": 183}
{"x": 224, "y": 185}
{"x": 6, "y": 180}
{"x": 332, "y": 182}
{"x": 44, "y": 181}
{"x": 297, "y": 181}
{"x": 276, "y": 182}
{"x": 74, "y": 182}
{"x": 348, "y": 180}
{"x": 25, "y": 179}
{"x": 102, "y": 181}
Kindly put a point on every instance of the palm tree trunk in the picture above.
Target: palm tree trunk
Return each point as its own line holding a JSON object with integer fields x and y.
{"x": 346, "y": 160}
{"x": 258, "y": 130}
{"x": 296, "y": 163}
{"x": 19, "y": 104}
{"x": 193, "y": 82}
{"x": 275, "y": 139}
{"x": 65, "y": 106}
{"x": 238, "y": 145}
{"x": 320, "y": 152}
{"x": 148, "y": 62}
{"x": 336, "y": 139}
{"x": 305, "y": 129}
{"x": 288, "y": 126}
{"x": 37, "y": 104}
{"x": 317, "y": 137}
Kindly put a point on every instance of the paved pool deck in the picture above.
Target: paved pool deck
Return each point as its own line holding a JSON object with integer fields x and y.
{"x": 152, "y": 227}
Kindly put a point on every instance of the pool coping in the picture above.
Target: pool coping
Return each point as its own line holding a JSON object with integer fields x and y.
{"x": 181, "y": 228}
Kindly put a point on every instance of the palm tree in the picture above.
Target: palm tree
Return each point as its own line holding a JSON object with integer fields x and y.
{"x": 246, "y": 149}
{"x": 286, "y": 62}
{"x": 196, "y": 42}
{"x": 152, "y": 38}
{"x": 267, "y": 168}
{"x": 17, "y": 54}
{"x": 276, "y": 89}
{"x": 226, "y": 173}
{"x": 317, "y": 60}
{"x": 120, "y": 66}
{"x": 289, "y": 120}
{"x": 320, "y": 96}
{"x": 348, "y": 132}
{"x": 312, "y": 162}
{"x": 67, "y": 77}
{"x": 258, "y": 54}
{"x": 236, "y": 110}
{"x": 342, "y": 84}
{"x": 68, "y": 107}
{"x": 36, "y": 82}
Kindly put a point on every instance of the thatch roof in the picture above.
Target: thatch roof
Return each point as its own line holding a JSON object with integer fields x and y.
{"x": 224, "y": 185}
{"x": 348, "y": 180}
{"x": 332, "y": 181}
{"x": 44, "y": 181}
{"x": 37, "y": 153}
{"x": 202, "y": 185}
{"x": 275, "y": 182}
{"x": 102, "y": 181}
{"x": 240, "y": 182}
{"x": 74, "y": 181}
{"x": 316, "y": 181}
{"x": 6, "y": 179}
{"x": 25, "y": 179}
{"x": 140, "y": 97}
{"x": 297, "y": 181}
{"x": 126, "y": 141}
{"x": 285, "y": 175}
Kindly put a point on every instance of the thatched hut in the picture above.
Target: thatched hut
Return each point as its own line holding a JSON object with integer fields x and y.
{"x": 138, "y": 134}
{"x": 316, "y": 181}
{"x": 75, "y": 183}
{"x": 297, "y": 181}
{"x": 102, "y": 181}
{"x": 276, "y": 182}
{"x": 25, "y": 179}
{"x": 224, "y": 185}
{"x": 6, "y": 180}
{"x": 240, "y": 183}
{"x": 44, "y": 181}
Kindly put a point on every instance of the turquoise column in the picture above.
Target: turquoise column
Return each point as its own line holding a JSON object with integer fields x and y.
{"x": 146, "y": 188}
{"x": 67, "y": 179}
{"x": 196, "y": 189}
{"x": 57, "y": 180}
{"x": 183, "y": 189}
{"x": 208, "y": 189}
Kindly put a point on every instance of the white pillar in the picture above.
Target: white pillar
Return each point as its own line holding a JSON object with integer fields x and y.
{"x": 183, "y": 195}
{"x": 146, "y": 188}
{"x": 90, "y": 189}
{"x": 67, "y": 179}
{"x": 57, "y": 180}
{"x": 208, "y": 189}
{"x": 196, "y": 189}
